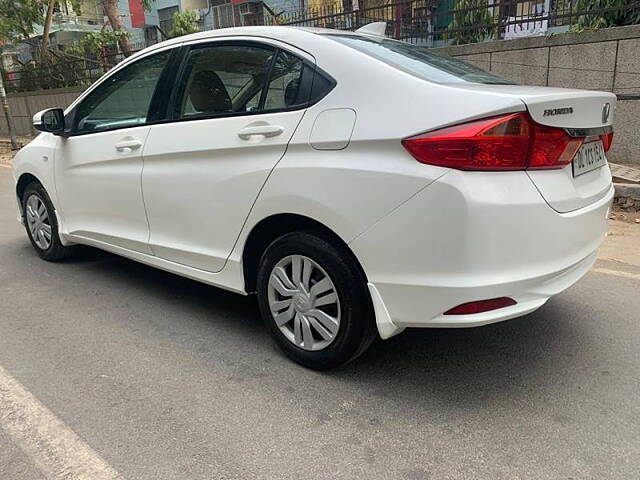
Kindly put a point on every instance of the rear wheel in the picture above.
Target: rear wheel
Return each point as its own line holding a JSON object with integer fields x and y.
{"x": 40, "y": 223}
{"x": 314, "y": 298}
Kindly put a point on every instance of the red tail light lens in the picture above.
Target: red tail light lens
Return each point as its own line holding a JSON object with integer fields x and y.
{"x": 481, "y": 306}
{"x": 607, "y": 140}
{"x": 498, "y": 143}
{"x": 510, "y": 142}
{"x": 552, "y": 147}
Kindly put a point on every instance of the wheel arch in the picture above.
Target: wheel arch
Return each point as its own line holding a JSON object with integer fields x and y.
{"x": 267, "y": 230}
{"x": 24, "y": 180}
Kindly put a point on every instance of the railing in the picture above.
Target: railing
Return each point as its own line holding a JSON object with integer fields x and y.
{"x": 424, "y": 22}
{"x": 60, "y": 71}
{"x": 441, "y": 22}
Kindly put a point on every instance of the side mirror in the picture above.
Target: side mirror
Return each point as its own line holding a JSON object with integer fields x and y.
{"x": 50, "y": 120}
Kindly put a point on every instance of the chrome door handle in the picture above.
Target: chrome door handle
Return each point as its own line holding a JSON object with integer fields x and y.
{"x": 265, "y": 130}
{"x": 128, "y": 145}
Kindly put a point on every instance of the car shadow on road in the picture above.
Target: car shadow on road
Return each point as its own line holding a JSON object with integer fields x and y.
{"x": 457, "y": 367}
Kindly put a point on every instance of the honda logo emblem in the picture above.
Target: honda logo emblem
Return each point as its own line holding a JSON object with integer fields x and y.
{"x": 606, "y": 111}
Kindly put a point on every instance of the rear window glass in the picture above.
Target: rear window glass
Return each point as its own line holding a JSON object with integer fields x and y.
{"x": 419, "y": 61}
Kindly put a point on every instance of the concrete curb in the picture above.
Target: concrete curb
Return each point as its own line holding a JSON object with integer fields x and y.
{"x": 627, "y": 196}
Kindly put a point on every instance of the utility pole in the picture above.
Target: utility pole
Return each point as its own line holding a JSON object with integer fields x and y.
{"x": 5, "y": 106}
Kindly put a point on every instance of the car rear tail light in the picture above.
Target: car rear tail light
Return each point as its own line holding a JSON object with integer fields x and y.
{"x": 607, "y": 140}
{"x": 552, "y": 147}
{"x": 481, "y": 306}
{"x": 509, "y": 142}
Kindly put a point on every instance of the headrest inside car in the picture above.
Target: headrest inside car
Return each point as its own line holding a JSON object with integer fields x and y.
{"x": 208, "y": 93}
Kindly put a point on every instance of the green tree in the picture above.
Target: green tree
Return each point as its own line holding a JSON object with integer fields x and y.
{"x": 615, "y": 14}
{"x": 184, "y": 23}
{"x": 20, "y": 17}
{"x": 472, "y": 22}
{"x": 112, "y": 13}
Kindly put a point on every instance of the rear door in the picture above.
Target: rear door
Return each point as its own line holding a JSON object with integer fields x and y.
{"x": 235, "y": 107}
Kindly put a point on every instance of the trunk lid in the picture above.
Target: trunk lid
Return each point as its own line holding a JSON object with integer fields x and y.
{"x": 581, "y": 113}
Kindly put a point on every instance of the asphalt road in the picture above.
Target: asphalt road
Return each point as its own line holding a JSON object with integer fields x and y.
{"x": 164, "y": 378}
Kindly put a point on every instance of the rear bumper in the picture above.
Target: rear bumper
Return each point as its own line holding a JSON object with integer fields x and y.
{"x": 470, "y": 237}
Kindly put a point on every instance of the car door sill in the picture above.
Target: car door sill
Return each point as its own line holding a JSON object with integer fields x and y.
{"x": 228, "y": 278}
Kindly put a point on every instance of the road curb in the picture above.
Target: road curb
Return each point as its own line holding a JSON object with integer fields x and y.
{"x": 627, "y": 196}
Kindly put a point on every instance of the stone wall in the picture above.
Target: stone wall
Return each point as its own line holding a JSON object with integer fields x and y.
{"x": 24, "y": 105}
{"x": 607, "y": 59}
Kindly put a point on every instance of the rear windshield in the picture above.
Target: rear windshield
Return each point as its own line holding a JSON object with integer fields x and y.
{"x": 419, "y": 61}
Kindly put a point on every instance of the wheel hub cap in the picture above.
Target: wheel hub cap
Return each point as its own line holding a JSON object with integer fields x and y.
{"x": 304, "y": 302}
{"x": 38, "y": 222}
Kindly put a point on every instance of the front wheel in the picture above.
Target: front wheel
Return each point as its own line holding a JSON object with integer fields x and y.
{"x": 315, "y": 300}
{"x": 40, "y": 223}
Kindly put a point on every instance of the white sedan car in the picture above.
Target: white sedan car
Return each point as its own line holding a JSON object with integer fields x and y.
{"x": 358, "y": 185}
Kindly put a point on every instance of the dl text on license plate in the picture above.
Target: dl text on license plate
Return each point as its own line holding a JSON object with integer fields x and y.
{"x": 589, "y": 157}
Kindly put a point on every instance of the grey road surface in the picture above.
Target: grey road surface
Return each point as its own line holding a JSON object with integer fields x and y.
{"x": 165, "y": 378}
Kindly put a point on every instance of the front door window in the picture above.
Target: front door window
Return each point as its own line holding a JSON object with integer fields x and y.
{"x": 123, "y": 99}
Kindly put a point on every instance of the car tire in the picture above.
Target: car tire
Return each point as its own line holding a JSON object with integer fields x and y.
{"x": 343, "y": 329}
{"x": 41, "y": 223}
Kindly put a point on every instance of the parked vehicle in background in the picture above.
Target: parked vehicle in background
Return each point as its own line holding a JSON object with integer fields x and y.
{"x": 358, "y": 185}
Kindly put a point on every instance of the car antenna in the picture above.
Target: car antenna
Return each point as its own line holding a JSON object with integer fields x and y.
{"x": 375, "y": 28}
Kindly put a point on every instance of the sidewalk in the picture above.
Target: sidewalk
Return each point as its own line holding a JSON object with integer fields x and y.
{"x": 626, "y": 179}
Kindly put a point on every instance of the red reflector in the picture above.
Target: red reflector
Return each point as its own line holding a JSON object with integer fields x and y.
{"x": 481, "y": 306}
{"x": 607, "y": 140}
{"x": 509, "y": 142}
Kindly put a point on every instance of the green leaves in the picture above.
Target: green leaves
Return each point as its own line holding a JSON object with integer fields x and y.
{"x": 96, "y": 41}
{"x": 19, "y": 18}
{"x": 184, "y": 23}
{"x": 597, "y": 14}
{"x": 472, "y": 22}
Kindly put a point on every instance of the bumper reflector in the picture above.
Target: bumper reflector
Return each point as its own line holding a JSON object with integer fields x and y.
{"x": 481, "y": 306}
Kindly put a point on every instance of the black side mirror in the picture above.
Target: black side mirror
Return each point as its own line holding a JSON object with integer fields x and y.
{"x": 50, "y": 120}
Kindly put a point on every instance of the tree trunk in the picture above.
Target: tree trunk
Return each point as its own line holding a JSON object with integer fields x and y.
{"x": 47, "y": 28}
{"x": 113, "y": 14}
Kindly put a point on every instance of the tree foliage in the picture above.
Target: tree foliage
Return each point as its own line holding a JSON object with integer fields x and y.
{"x": 19, "y": 18}
{"x": 597, "y": 14}
{"x": 95, "y": 42}
{"x": 472, "y": 22}
{"x": 184, "y": 23}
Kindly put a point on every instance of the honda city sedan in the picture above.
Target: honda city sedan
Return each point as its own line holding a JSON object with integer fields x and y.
{"x": 358, "y": 185}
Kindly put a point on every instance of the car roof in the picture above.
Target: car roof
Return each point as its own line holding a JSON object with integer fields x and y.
{"x": 288, "y": 34}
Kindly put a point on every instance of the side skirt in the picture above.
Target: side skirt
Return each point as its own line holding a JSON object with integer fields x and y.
{"x": 229, "y": 278}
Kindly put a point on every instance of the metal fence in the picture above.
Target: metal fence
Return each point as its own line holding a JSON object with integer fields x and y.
{"x": 441, "y": 22}
{"x": 60, "y": 71}
{"x": 430, "y": 23}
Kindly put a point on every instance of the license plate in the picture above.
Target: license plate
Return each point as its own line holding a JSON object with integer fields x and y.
{"x": 590, "y": 157}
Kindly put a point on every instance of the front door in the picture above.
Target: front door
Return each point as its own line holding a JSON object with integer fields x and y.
{"x": 99, "y": 167}
{"x": 237, "y": 106}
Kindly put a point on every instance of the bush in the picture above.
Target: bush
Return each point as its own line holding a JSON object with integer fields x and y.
{"x": 615, "y": 15}
{"x": 472, "y": 22}
{"x": 184, "y": 23}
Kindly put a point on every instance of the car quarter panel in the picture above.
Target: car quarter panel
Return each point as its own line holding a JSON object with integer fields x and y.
{"x": 472, "y": 236}
{"x": 350, "y": 189}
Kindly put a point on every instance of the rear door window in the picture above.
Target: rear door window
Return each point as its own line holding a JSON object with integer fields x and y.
{"x": 239, "y": 79}
{"x": 219, "y": 80}
{"x": 284, "y": 83}
{"x": 418, "y": 61}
